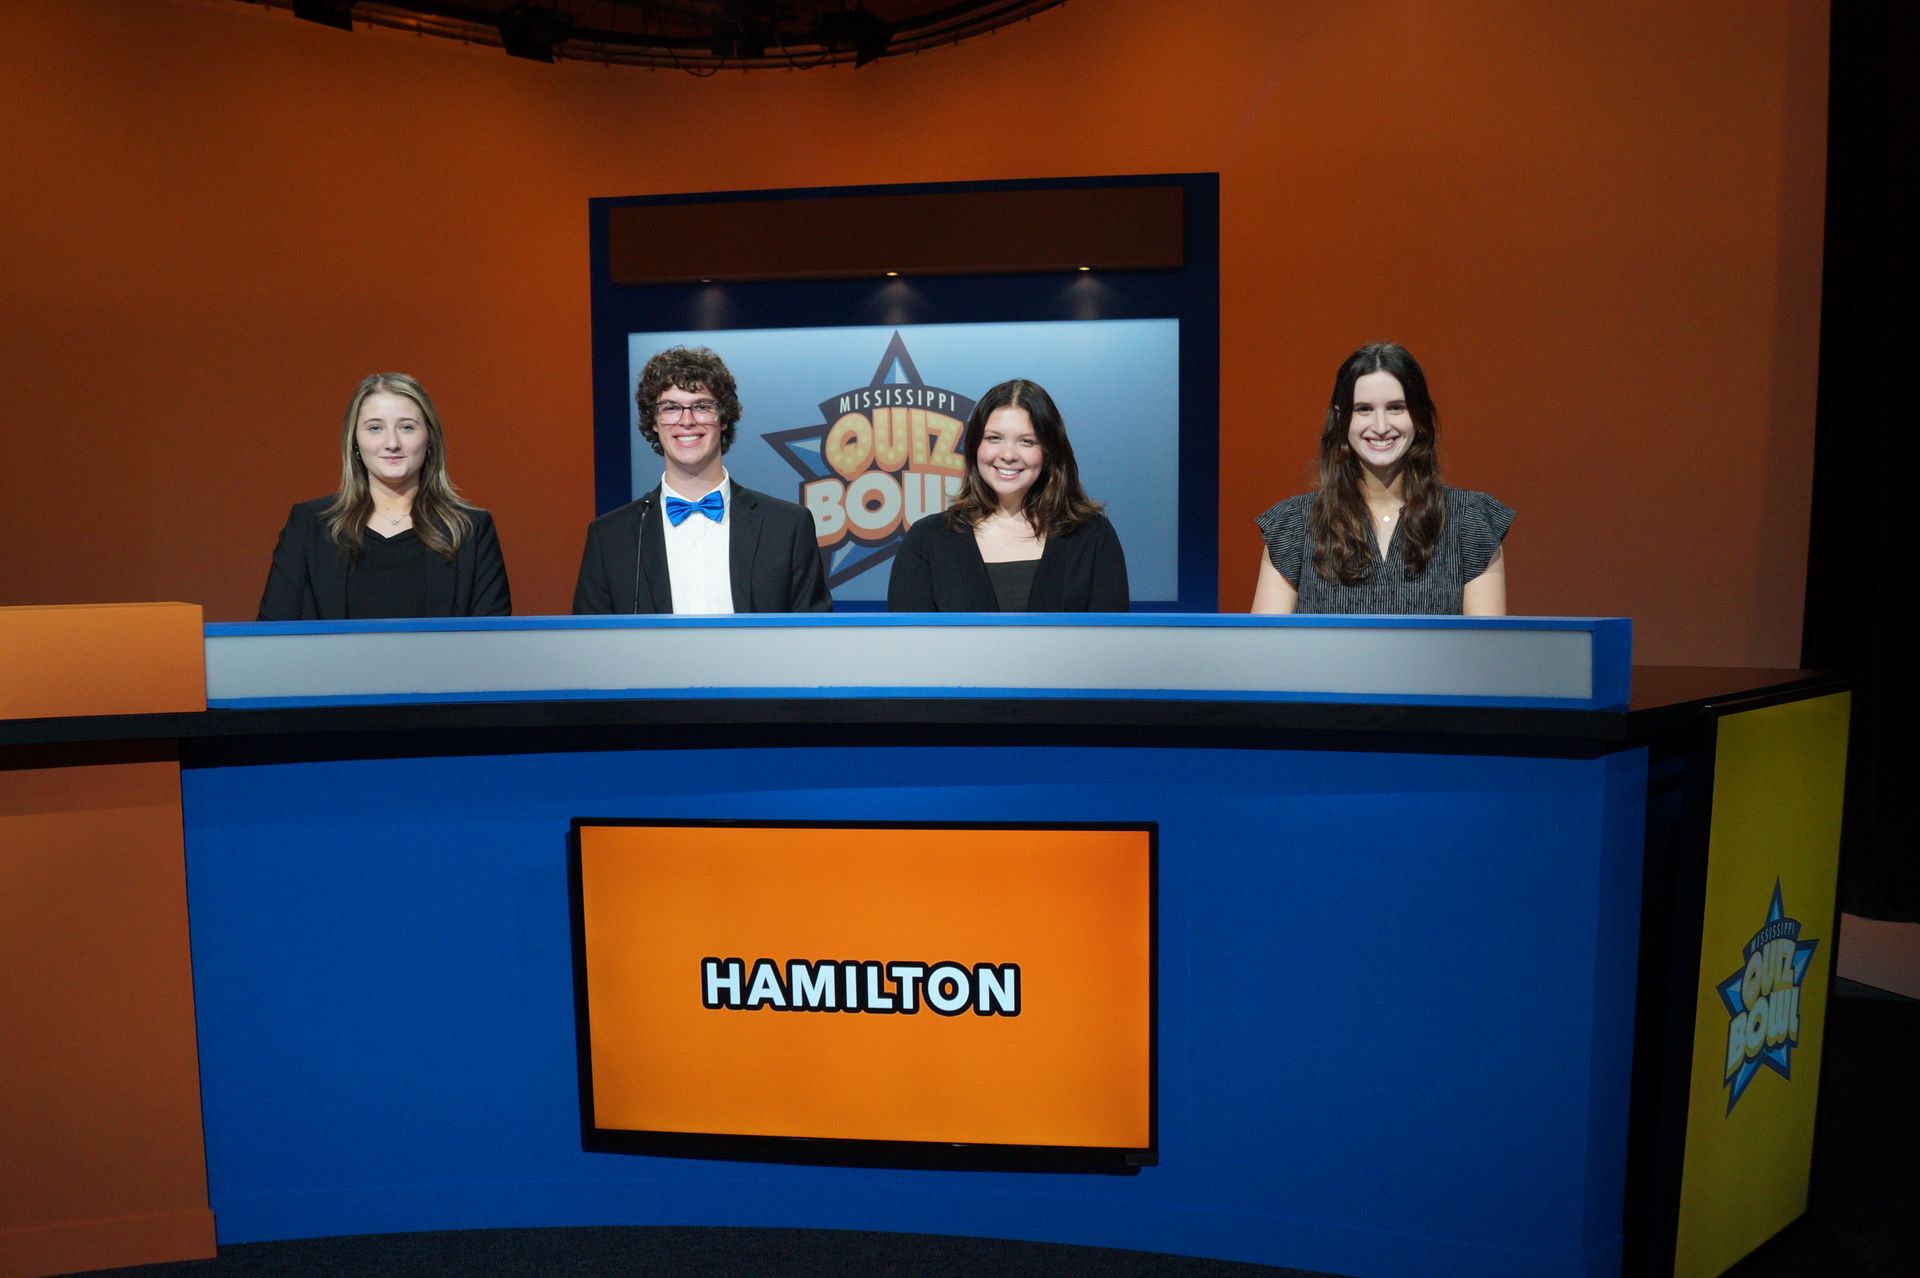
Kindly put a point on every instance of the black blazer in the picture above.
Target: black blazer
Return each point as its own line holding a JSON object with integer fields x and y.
{"x": 308, "y": 579}
{"x": 940, "y": 570}
{"x": 773, "y": 558}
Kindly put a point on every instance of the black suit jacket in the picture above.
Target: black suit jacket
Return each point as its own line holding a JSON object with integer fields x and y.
{"x": 940, "y": 570}
{"x": 308, "y": 579}
{"x": 773, "y": 557}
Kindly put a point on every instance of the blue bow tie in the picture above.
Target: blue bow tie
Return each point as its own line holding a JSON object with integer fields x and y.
{"x": 713, "y": 506}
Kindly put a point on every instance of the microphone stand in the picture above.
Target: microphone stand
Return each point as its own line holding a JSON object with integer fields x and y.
{"x": 640, "y": 540}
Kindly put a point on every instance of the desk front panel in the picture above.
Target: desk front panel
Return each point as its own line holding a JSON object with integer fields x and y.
{"x": 1395, "y": 992}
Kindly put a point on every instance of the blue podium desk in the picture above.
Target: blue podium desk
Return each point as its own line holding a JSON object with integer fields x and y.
{"x": 1428, "y": 914}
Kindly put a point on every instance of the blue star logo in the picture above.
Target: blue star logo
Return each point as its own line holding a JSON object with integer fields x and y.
{"x": 801, "y": 449}
{"x": 1776, "y": 1055}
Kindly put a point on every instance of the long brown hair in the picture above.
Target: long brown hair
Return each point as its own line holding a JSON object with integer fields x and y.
{"x": 440, "y": 516}
{"x": 1343, "y": 545}
{"x": 1056, "y": 504}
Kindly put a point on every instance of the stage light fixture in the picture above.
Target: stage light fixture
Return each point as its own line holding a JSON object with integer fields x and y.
{"x": 744, "y": 38}
{"x": 530, "y": 32}
{"x": 337, "y": 14}
{"x": 857, "y": 29}
{"x": 871, "y": 38}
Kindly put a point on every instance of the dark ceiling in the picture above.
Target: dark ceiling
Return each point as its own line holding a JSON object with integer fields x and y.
{"x": 700, "y": 36}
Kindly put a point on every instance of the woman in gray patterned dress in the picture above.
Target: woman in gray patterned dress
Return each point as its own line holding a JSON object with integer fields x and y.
{"x": 1383, "y": 534}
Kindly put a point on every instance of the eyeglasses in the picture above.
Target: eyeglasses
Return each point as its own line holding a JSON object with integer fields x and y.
{"x": 703, "y": 411}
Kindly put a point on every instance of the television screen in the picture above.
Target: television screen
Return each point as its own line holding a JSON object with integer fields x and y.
{"x": 984, "y": 988}
{"x": 863, "y": 427}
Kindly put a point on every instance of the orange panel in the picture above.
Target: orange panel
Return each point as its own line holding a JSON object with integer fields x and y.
{"x": 1057, "y": 1055}
{"x": 84, "y": 659}
{"x": 101, "y": 1158}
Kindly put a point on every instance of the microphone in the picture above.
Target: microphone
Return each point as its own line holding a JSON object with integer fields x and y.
{"x": 639, "y": 540}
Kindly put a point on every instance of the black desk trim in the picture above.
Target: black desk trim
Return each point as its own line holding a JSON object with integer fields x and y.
{"x": 1666, "y": 699}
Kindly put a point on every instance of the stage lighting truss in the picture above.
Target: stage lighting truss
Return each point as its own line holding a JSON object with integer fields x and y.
{"x": 701, "y": 37}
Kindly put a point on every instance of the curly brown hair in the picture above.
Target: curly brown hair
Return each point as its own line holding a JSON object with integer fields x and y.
{"x": 689, "y": 368}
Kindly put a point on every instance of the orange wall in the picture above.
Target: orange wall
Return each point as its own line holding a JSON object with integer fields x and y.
{"x": 1599, "y": 226}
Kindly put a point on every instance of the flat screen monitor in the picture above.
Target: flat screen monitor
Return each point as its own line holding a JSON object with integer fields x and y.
{"x": 864, "y": 426}
{"x": 1122, "y": 331}
{"x": 920, "y": 994}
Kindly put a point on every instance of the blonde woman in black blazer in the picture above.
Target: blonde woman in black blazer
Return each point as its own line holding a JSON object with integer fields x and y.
{"x": 396, "y": 540}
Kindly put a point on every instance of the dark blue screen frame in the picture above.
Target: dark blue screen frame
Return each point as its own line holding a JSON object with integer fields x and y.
{"x": 1189, "y": 294}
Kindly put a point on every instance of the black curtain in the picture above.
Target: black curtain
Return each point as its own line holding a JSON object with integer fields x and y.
{"x": 1867, "y": 421}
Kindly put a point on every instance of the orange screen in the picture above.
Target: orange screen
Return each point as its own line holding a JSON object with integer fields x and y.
{"x": 979, "y": 986}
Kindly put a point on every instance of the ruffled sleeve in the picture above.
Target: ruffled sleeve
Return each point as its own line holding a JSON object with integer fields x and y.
{"x": 1283, "y": 527}
{"x": 1480, "y": 524}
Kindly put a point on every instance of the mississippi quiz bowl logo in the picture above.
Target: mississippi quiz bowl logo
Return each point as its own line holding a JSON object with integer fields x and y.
{"x": 882, "y": 455}
{"x": 1763, "y": 1001}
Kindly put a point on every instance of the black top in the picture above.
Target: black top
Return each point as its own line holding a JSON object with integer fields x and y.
{"x": 1475, "y": 526}
{"x": 773, "y": 558}
{"x": 314, "y": 579}
{"x": 390, "y": 579}
{"x": 1013, "y": 583}
{"x": 939, "y": 569}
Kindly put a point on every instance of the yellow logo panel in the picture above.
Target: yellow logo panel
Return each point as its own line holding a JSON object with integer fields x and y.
{"x": 1760, "y": 1012}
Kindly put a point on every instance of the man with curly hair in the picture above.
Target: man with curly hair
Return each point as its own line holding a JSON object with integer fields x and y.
{"x": 699, "y": 543}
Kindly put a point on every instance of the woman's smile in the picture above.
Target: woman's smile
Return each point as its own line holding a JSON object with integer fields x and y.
{"x": 1010, "y": 455}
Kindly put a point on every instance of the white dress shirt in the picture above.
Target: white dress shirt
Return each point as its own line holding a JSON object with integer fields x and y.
{"x": 697, "y": 564}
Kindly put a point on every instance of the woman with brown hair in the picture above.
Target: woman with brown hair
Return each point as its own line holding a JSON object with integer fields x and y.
{"x": 1022, "y": 536}
{"x": 396, "y": 539}
{"x": 1382, "y": 534}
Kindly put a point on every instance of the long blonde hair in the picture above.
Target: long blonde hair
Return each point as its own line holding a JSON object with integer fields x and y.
{"x": 440, "y": 516}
